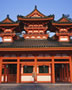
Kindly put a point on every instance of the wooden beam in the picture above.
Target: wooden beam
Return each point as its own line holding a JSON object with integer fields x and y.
{"x": 10, "y": 58}
{"x": 28, "y": 63}
{"x": 44, "y": 57}
{"x": 9, "y": 62}
{"x": 38, "y": 49}
{"x": 60, "y": 57}
{"x": 27, "y": 58}
{"x": 62, "y": 62}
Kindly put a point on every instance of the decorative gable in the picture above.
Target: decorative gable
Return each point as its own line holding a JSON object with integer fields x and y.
{"x": 35, "y": 13}
{"x": 7, "y": 20}
{"x": 64, "y": 20}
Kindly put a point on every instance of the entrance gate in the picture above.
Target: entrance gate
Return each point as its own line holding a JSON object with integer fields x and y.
{"x": 46, "y": 69}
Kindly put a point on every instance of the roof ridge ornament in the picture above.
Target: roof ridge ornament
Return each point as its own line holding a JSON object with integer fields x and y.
{"x": 35, "y": 6}
{"x": 7, "y": 15}
{"x": 63, "y": 15}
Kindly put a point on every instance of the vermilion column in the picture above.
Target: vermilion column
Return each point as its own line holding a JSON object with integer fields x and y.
{"x": 70, "y": 63}
{"x": 64, "y": 74}
{"x": 67, "y": 72}
{"x": 0, "y": 69}
{"x": 18, "y": 70}
{"x": 4, "y": 72}
{"x": 53, "y": 71}
{"x": 60, "y": 75}
{"x": 35, "y": 70}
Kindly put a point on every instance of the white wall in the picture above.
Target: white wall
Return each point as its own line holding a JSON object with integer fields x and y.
{"x": 2, "y": 78}
{"x": 43, "y": 78}
{"x": 63, "y": 39}
{"x": 27, "y": 78}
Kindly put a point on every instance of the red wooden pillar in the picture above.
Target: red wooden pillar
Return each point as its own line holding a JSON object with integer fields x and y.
{"x": 18, "y": 70}
{"x": 70, "y": 63}
{"x": 60, "y": 75}
{"x": 67, "y": 72}
{"x": 4, "y": 72}
{"x": 35, "y": 79}
{"x": 64, "y": 74}
{"x": 53, "y": 71}
{"x": 0, "y": 69}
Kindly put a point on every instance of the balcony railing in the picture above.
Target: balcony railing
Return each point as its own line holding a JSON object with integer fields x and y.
{"x": 7, "y": 34}
{"x": 64, "y": 33}
{"x": 29, "y": 28}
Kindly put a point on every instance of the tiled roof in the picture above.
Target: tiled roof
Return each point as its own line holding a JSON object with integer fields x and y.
{"x": 31, "y": 18}
{"x": 8, "y": 21}
{"x": 35, "y": 44}
{"x": 63, "y": 20}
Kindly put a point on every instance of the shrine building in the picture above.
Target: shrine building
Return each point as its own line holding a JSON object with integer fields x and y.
{"x": 35, "y": 57}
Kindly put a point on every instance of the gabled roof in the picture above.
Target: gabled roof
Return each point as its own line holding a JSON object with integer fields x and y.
{"x": 35, "y": 13}
{"x": 62, "y": 21}
{"x": 8, "y": 22}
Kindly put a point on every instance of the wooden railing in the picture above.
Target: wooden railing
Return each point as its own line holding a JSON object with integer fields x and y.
{"x": 64, "y": 33}
{"x": 27, "y": 28}
{"x": 6, "y": 34}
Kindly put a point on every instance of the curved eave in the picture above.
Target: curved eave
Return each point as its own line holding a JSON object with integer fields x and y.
{"x": 38, "y": 49}
{"x": 35, "y": 19}
{"x": 16, "y": 24}
{"x": 62, "y": 24}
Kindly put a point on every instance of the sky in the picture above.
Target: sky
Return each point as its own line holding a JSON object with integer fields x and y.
{"x": 24, "y": 7}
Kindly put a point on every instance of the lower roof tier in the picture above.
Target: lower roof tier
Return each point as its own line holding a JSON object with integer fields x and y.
{"x": 21, "y": 43}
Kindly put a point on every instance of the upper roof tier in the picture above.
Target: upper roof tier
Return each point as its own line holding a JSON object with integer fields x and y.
{"x": 8, "y": 22}
{"x": 63, "y": 21}
{"x": 35, "y": 15}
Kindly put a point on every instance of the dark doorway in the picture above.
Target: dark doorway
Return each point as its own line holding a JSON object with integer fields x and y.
{"x": 62, "y": 73}
{"x": 12, "y": 73}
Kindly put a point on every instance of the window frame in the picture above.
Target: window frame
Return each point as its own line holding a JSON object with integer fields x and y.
{"x": 42, "y": 72}
{"x": 28, "y": 72}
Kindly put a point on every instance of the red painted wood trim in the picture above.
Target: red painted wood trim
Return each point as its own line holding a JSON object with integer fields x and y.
{"x": 37, "y": 49}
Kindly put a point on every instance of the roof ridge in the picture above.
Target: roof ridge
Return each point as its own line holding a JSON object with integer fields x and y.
{"x": 8, "y": 19}
{"x": 34, "y": 10}
{"x": 63, "y": 16}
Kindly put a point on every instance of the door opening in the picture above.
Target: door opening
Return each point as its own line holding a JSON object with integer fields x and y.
{"x": 62, "y": 73}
